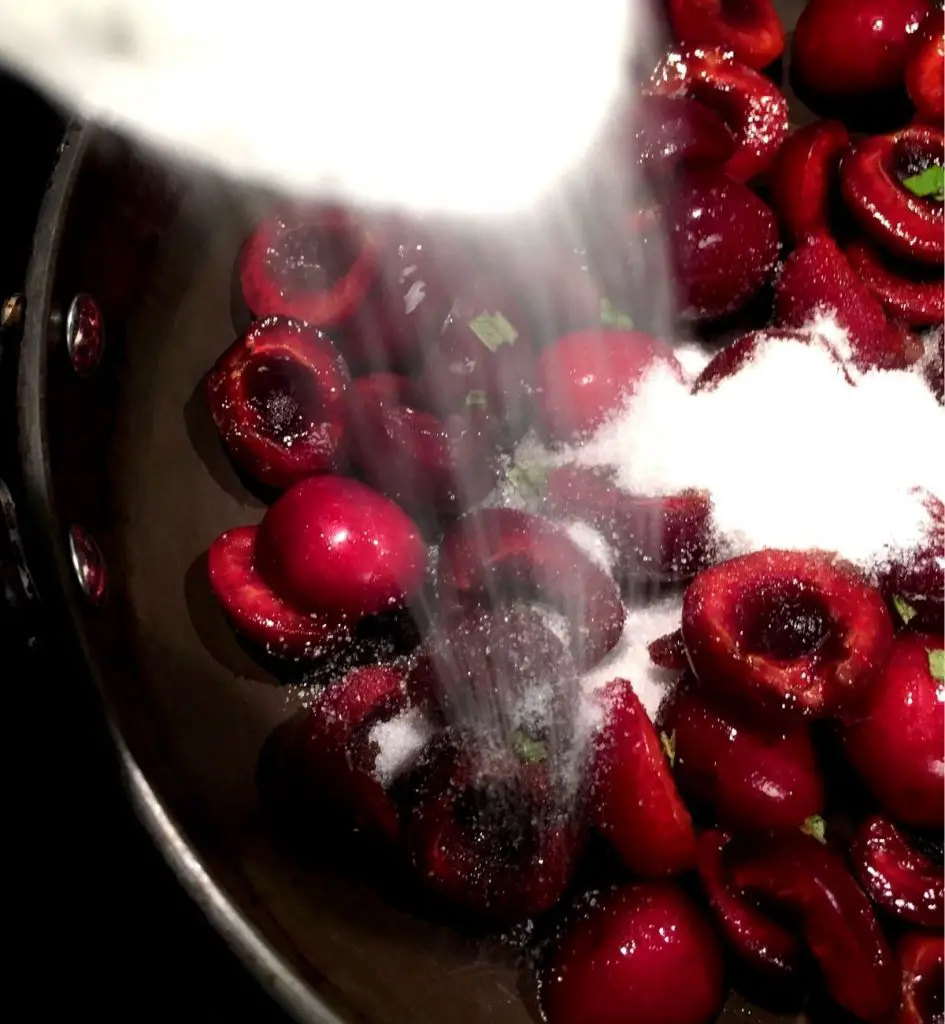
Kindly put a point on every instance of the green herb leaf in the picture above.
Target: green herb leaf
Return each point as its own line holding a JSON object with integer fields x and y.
{"x": 668, "y": 743}
{"x": 937, "y": 665}
{"x": 528, "y": 480}
{"x": 475, "y": 398}
{"x": 612, "y": 317}
{"x": 905, "y": 610}
{"x": 493, "y": 330}
{"x": 930, "y": 184}
{"x": 528, "y": 749}
{"x": 815, "y": 826}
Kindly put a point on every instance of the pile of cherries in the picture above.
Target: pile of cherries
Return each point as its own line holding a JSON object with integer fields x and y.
{"x": 779, "y": 828}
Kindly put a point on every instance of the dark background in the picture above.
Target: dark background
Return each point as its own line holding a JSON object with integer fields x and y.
{"x": 98, "y": 924}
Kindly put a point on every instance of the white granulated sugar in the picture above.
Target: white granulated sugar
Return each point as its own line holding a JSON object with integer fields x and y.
{"x": 592, "y": 542}
{"x": 792, "y": 454}
{"x": 400, "y": 740}
{"x": 556, "y": 621}
{"x": 693, "y": 358}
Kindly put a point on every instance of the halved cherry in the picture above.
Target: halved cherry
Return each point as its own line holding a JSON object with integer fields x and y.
{"x": 486, "y": 839}
{"x": 669, "y": 652}
{"x": 909, "y": 292}
{"x": 794, "y": 632}
{"x": 277, "y": 397}
{"x": 334, "y": 546}
{"x": 314, "y": 264}
{"x": 499, "y": 554}
{"x": 751, "y": 29}
{"x": 749, "y": 776}
{"x": 423, "y": 462}
{"x": 723, "y": 241}
{"x": 761, "y": 943}
{"x": 584, "y": 378}
{"x": 922, "y": 967}
{"x": 802, "y": 877}
{"x": 749, "y": 103}
{"x": 670, "y": 130}
{"x": 897, "y": 877}
{"x": 804, "y": 176}
{"x": 642, "y": 953}
{"x": 881, "y": 179}
{"x": 257, "y": 612}
{"x": 634, "y": 800}
{"x": 896, "y": 746}
{"x": 816, "y": 279}
{"x": 925, "y": 69}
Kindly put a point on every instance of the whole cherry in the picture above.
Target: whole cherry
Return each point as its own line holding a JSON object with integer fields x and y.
{"x": 641, "y": 953}
{"x": 925, "y": 69}
{"x": 922, "y": 971}
{"x": 750, "y": 29}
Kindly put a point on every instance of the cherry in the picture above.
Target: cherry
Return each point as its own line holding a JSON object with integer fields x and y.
{"x": 671, "y": 130}
{"x": 766, "y": 946}
{"x": 634, "y": 801}
{"x": 335, "y": 546}
{"x": 584, "y": 378}
{"x": 922, "y": 966}
{"x": 658, "y": 538}
{"x": 421, "y": 461}
{"x": 817, "y": 278}
{"x": 875, "y": 179}
{"x": 925, "y": 69}
{"x": 853, "y": 50}
{"x": 804, "y": 176}
{"x": 747, "y": 775}
{"x": 277, "y": 398}
{"x": 896, "y": 877}
{"x": 792, "y": 632}
{"x": 723, "y": 241}
{"x": 799, "y": 875}
{"x": 897, "y": 746}
{"x": 498, "y": 554}
{"x": 257, "y": 611}
{"x": 749, "y": 103}
{"x": 486, "y": 840}
{"x": 907, "y": 292}
{"x": 751, "y": 29}
{"x": 669, "y": 652}
{"x": 314, "y": 264}
{"x": 641, "y": 953}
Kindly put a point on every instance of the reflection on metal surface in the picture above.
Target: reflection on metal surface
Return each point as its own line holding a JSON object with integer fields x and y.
{"x": 88, "y": 564}
{"x": 85, "y": 334}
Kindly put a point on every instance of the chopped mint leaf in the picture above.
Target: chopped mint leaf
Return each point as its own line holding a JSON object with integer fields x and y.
{"x": 493, "y": 330}
{"x": 475, "y": 398}
{"x": 937, "y": 665}
{"x": 529, "y": 750}
{"x": 905, "y": 610}
{"x": 612, "y": 317}
{"x": 815, "y": 826}
{"x": 930, "y": 184}
{"x": 668, "y": 743}
{"x": 528, "y": 480}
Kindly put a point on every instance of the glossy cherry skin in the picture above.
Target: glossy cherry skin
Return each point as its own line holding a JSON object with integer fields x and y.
{"x": 333, "y": 545}
{"x": 672, "y": 130}
{"x": 898, "y": 878}
{"x": 497, "y": 555}
{"x": 723, "y": 241}
{"x": 277, "y": 398}
{"x": 314, "y": 263}
{"x": 897, "y": 746}
{"x": 871, "y": 181}
{"x": 638, "y": 953}
{"x": 764, "y": 945}
{"x": 854, "y": 49}
{"x": 584, "y": 378}
{"x": 749, "y": 103}
{"x": 810, "y": 882}
{"x": 905, "y": 291}
{"x": 258, "y": 612}
{"x": 818, "y": 278}
{"x": 922, "y": 967}
{"x": 751, "y": 30}
{"x": 791, "y": 633}
{"x": 634, "y": 800}
{"x": 748, "y": 776}
{"x": 669, "y": 652}
{"x": 925, "y": 69}
{"x": 804, "y": 177}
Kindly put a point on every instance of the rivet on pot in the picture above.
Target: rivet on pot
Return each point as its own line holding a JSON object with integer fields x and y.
{"x": 85, "y": 334}
{"x": 88, "y": 564}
